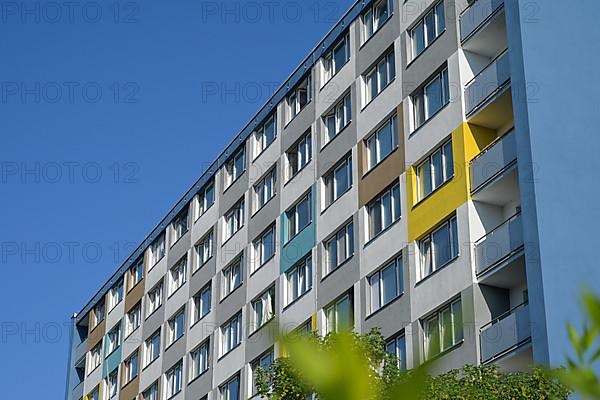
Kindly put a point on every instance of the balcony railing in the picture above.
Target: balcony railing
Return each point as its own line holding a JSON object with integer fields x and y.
{"x": 477, "y": 14}
{"x": 496, "y": 158}
{"x": 505, "y": 333}
{"x": 499, "y": 244}
{"x": 494, "y": 77}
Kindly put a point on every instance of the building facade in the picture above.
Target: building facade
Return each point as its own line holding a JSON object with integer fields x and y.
{"x": 387, "y": 183}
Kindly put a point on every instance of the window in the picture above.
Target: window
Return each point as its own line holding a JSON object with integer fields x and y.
{"x": 299, "y": 97}
{"x": 339, "y": 315}
{"x": 204, "y": 250}
{"x": 136, "y": 273}
{"x": 154, "y": 298}
{"x": 383, "y": 211}
{"x": 232, "y": 277}
{"x": 113, "y": 384}
{"x": 175, "y": 327}
{"x": 263, "y": 362}
{"x": 299, "y": 155}
{"x": 263, "y": 309}
{"x": 177, "y": 275}
{"x": 201, "y": 302}
{"x": 205, "y": 199}
{"x": 336, "y": 58}
{"x": 337, "y": 181}
{"x": 396, "y": 346}
{"x": 265, "y": 135}
{"x": 132, "y": 319}
{"x": 381, "y": 143}
{"x": 429, "y": 99}
{"x": 130, "y": 368}
{"x": 94, "y": 394}
{"x": 375, "y": 16}
{"x": 235, "y": 167}
{"x": 265, "y": 189}
{"x": 339, "y": 117}
{"x": 179, "y": 226}
{"x": 443, "y": 329}
{"x": 95, "y": 357}
{"x": 151, "y": 393}
{"x": 157, "y": 249}
{"x": 299, "y": 279}
{"x": 439, "y": 247}
{"x": 386, "y": 284}
{"x": 339, "y": 248}
{"x": 428, "y": 29}
{"x": 231, "y": 389}
{"x": 263, "y": 248}
{"x": 199, "y": 360}
{"x": 115, "y": 295}
{"x": 174, "y": 379}
{"x": 231, "y": 334}
{"x": 152, "y": 348}
{"x": 437, "y": 169}
{"x": 378, "y": 77}
{"x": 299, "y": 216}
{"x": 113, "y": 339}
{"x": 98, "y": 313}
{"x": 234, "y": 219}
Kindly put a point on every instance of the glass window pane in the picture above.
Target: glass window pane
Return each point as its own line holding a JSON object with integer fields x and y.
{"x": 419, "y": 113}
{"x": 446, "y": 87}
{"x": 375, "y": 292}
{"x": 418, "y": 39}
{"x": 387, "y": 209}
{"x": 429, "y": 28}
{"x": 432, "y": 337}
{"x": 375, "y": 218}
{"x": 396, "y": 201}
{"x": 438, "y": 173}
{"x": 350, "y": 239}
{"x": 447, "y": 333}
{"x": 440, "y": 18}
{"x": 433, "y": 97}
{"x": 390, "y": 290}
{"x": 344, "y": 314}
{"x": 457, "y": 321}
{"x": 441, "y": 246}
{"x": 385, "y": 140}
{"x": 303, "y": 214}
{"x": 448, "y": 161}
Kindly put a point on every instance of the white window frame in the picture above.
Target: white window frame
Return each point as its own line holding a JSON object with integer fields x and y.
{"x": 99, "y": 313}
{"x": 155, "y": 298}
{"x": 330, "y": 181}
{"x": 439, "y": 27}
{"x": 299, "y": 280}
{"x": 436, "y": 321}
{"x": 265, "y": 189}
{"x": 343, "y": 252}
{"x": 177, "y": 276}
{"x": 427, "y": 250}
{"x": 94, "y": 394}
{"x": 151, "y": 352}
{"x": 381, "y": 75}
{"x": 203, "y": 201}
{"x": 260, "y": 256}
{"x": 261, "y": 140}
{"x": 332, "y": 314}
{"x": 232, "y": 169}
{"x": 136, "y": 273}
{"x": 113, "y": 339}
{"x": 94, "y": 358}
{"x": 263, "y": 309}
{"x": 112, "y": 384}
{"x": 157, "y": 250}
{"x": 376, "y": 284}
{"x": 338, "y": 118}
{"x": 371, "y": 18}
{"x": 395, "y": 208}
{"x": 234, "y": 220}
{"x": 373, "y": 143}
{"x": 174, "y": 380}
{"x": 231, "y": 334}
{"x": 199, "y": 360}
{"x": 130, "y": 373}
{"x": 428, "y": 170}
{"x": 199, "y": 301}
{"x": 230, "y": 275}
{"x": 204, "y": 249}
{"x": 133, "y": 319}
{"x": 173, "y": 326}
{"x": 298, "y": 98}
{"x": 180, "y": 225}
{"x": 224, "y": 389}
{"x": 151, "y": 393}
{"x": 329, "y": 64}
{"x": 420, "y": 99}
{"x": 263, "y": 361}
{"x": 399, "y": 346}
{"x": 115, "y": 295}
{"x": 293, "y": 216}
{"x": 299, "y": 155}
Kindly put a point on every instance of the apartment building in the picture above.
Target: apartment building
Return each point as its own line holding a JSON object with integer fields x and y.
{"x": 387, "y": 183}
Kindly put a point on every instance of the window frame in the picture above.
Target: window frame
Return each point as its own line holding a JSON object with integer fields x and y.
{"x": 224, "y": 388}
{"x": 112, "y": 343}
{"x": 154, "y": 298}
{"x": 115, "y": 295}
{"x": 172, "y": 327}
{"x": 202, "y": 348}
{"x": 443, "y": 77}
{"x": 389, "y": 61}
{"x": 438, "y": 316}
{"x": 150, "y": 349}
{"x": 452, "y": 225}
{"x": 230, "y": 335}
{"x": 257, "y": 314}
{"x": 379, "y": 199}
{"x": 293, "y": 101}
{"x": 292, "y": 214}
{"x": 341, "y": 114}
{"x": 158, "y": 245}
{"x": 133, "y": 319}
{"x": 202, "y": 202}
{"x": 422, "y": 21}
{"x": 235, "y": 216}
{"x": 334, "y": 326}
{"x": 261, "y": 140}
{"x": 175, "y": 283}
{"x": 258, "y": 192}
{"x": 135, "y": 274}
{"x": 206, "y": 245}
{"x": 198, "y": 302}
{"x": 429, "y": 160}
{"x": 232, "y": 174}
{"x": 306, "y": 265}
{"x": 129, "y": 373}
{"x": 174, "y": 380}
{"x": 397, "y": 264}
{"x": 259, "y": 362}
{"x": 294, "y": 166}
{"x": 330, "y": 181}
{"x": 258, "y": 248}
{"x": 328, "y": 60}
{"x": 180, "y": 225}
{"x": 349, "y": 247}
{"x": 401, "y": 358}
{"x": 229, "y": 284}
{"x": 392, "y": 123}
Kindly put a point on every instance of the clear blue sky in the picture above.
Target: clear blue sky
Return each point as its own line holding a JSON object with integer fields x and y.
{"x": 104, "y": 123}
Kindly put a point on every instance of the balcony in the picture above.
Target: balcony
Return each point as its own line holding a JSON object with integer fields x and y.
{"x": 493, "y": 161}
{"x": 477, "y": 16}
{"x": 500, "y": 246}
{"x": 508, "y": 333}
{"x": 489, "y": 84}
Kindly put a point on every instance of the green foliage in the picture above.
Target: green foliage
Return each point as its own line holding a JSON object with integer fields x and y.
{"x": 580, "y": 373}
{"x": 348, "y": 366}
